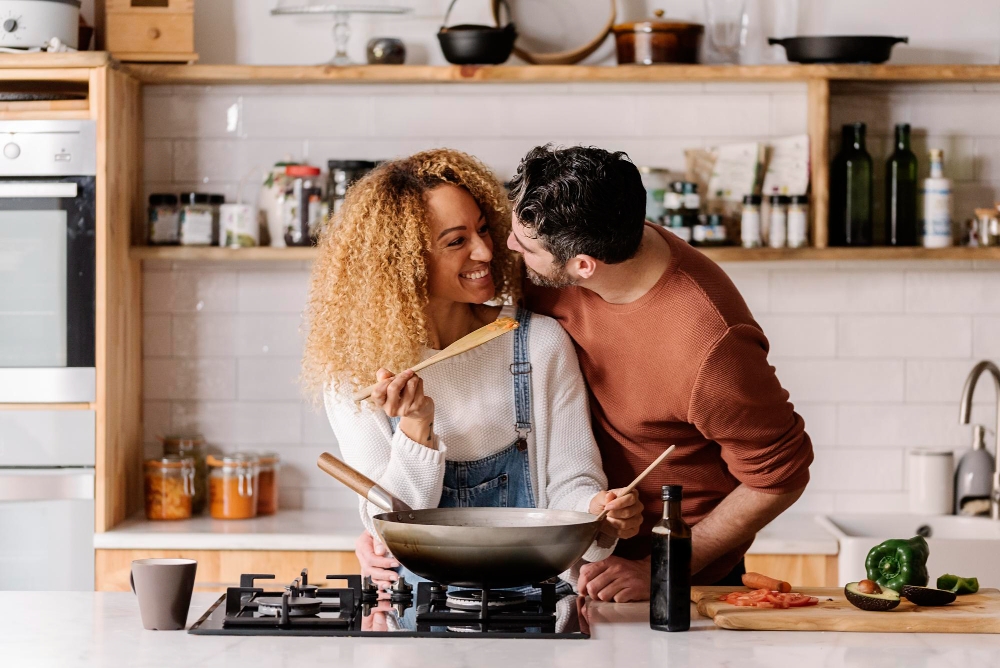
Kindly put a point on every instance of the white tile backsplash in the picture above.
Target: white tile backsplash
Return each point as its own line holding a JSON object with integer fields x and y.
{"x": 874, "y": 355}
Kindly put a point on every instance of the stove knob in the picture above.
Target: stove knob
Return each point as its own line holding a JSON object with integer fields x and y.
{"x": 10, "y": 25}
{"x": 11, "y": 151}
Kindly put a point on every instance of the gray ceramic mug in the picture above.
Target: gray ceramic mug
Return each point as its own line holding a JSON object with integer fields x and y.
{"x": 163, "y": 587}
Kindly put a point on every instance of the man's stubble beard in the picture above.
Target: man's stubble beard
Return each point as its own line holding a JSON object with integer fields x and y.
{"x": 560, "y": 278}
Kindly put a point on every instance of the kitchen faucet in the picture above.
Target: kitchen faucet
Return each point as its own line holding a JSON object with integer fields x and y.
{"x": 965, "y": 411}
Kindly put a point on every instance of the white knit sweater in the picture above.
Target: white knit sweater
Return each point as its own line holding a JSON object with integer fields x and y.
{"x": 474, "y": 418}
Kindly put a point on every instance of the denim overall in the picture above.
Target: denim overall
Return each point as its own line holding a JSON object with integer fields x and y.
{"x": 503, "y": 479}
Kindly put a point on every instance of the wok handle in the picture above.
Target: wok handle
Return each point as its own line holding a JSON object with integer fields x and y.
{"x": 360, "y": 483}
{"x": 775, "y": 41}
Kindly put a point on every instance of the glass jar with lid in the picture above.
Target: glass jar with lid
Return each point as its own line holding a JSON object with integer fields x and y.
{"x": 341, "y": 174}
{"x": 303, "y": 205}
{"x": 164, "y": 226}
{"x": 192, "y": 446}
{"x": 267, "y": 486}
{"x": 169, "y": 486}
{"x": 232, "y": 486}
{"x": 196, "y": 219}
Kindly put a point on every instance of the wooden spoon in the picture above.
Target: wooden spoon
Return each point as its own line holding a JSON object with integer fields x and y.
{"x": 639, "y": 478}
{"x": 498, "y": 327}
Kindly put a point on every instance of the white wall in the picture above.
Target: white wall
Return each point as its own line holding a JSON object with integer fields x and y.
{"x": 242, "y": 31}
{"x": 874, "y": 355}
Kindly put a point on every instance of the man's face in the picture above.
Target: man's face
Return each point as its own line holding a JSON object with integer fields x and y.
{"x": 541, "y": 266}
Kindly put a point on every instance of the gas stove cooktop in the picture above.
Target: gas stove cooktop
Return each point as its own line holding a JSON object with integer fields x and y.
{"x": 433, "y": 611}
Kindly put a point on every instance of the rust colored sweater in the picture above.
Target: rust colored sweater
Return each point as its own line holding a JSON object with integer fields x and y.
{"x": 685, "y": 363}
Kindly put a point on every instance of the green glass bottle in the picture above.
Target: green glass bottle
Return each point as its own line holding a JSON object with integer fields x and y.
{"x": 901, "y": 192}
{"x": 851, "y": 190}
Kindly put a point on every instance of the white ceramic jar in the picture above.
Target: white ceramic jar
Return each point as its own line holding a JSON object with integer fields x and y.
{"x": 932, "y": 482}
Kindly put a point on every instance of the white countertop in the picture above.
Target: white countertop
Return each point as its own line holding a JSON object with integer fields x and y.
{"x": 337, "y": 530}
{"x": 102, "y": 630}
{"x": 286, "y": 530}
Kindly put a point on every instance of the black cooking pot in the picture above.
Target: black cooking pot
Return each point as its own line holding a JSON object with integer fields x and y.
{"x": 839, "y": 48}
{"x": 475, "y": 44}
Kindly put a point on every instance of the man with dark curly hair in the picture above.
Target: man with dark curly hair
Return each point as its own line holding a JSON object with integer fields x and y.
{"x": 671, "y": 355}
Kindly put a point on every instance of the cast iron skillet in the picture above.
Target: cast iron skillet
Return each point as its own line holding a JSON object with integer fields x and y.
{"x": 474, "y": 547}
{"x": 839, "y": 48}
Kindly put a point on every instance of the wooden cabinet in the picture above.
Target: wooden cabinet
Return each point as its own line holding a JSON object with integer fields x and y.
{"x": 218, "y": 569}
{"x": 147, "y": 30}
{"x": 801, "y": 570}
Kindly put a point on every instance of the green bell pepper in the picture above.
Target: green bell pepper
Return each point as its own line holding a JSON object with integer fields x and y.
{"x": 898, "y": 562}
{"x": 958, "y": 585}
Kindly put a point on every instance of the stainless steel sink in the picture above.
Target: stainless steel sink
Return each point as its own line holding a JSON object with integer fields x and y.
{"x": 966, "y": 546}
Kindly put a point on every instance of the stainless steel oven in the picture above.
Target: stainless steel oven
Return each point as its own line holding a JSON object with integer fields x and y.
{"x": 47, "y": 261}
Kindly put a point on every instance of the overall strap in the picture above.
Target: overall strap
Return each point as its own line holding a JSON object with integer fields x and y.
{"x": 521, "y": 370}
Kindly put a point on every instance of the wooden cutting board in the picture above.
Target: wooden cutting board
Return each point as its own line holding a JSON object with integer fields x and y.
{"x": 974, "y": 613}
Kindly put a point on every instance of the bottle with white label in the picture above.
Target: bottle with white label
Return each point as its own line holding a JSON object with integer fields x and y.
{"x": 936, "y": 216}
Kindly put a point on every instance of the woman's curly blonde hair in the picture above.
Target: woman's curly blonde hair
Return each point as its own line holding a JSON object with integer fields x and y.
{"x": 369, "y": 284}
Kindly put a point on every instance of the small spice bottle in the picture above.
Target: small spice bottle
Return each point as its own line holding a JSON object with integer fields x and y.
{"x": 232, "y": 486}
{"x": 193, "y": 447}
{"x": 710, "y": 231}
{"x": 169, "y": 483}
{"x": 267, "y": 485}
{"x": 196, "y": 220}
{"x": 164, "y": 226}
{"x": 750, "y": 222}
{"x": 777, "y": 227}
{"x": 691, "y": 199}
{"x": 798, "y": 221}
{"x": 673, "y": 197}
{"x": 681, "y": 224}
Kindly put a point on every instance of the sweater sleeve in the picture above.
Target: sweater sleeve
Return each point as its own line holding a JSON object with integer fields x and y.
{"x": 573, "y": 461}
{"x": 404, "y": 468}
{"x": 738, "y": 402}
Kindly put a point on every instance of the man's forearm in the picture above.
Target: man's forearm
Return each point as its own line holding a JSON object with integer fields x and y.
{"x": 735, "y": 521}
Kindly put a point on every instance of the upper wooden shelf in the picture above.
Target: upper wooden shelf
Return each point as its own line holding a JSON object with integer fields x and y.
{"x": 724, "y": 254}
{"x": 76, "y": 59}
{"x": 280, "y": 74}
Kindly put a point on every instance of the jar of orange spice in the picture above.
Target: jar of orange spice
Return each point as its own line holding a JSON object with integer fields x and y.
{"x": 169, "y": 487}
{"x": 267, "y": 487}
{"x": 232, "y": 486}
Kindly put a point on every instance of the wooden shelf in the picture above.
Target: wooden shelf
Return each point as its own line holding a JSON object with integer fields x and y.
{"x": 215, "y": 254}
{"x": 85, "y": 59}
{"x": 724, "y": 254}
{"x": 280, "y": 74}
{"x": 84, "y": 406}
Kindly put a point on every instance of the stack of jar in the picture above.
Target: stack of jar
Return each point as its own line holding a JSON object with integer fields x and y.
{"x": 184, "y": 480}
{"x": 681, "y": 203}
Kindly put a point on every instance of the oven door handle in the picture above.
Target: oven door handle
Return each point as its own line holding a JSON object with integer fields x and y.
{"x": 20, "y": 189}
{"x": 46, "y": 485}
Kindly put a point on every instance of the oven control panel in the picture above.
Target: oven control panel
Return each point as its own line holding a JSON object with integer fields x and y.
{"x": 48, "y": 148}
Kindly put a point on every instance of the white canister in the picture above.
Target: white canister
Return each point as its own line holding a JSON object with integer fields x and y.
{"x": 932, "y": 482}
{"x": 238, "y": 226}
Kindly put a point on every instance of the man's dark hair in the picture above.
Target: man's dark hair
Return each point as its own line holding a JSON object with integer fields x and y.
{"x": 580, "y": 201}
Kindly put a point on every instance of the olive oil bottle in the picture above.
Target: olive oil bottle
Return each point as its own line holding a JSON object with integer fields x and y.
{"x": 851, "y": 188}
{"x": 670, "y": 583}
{"x": 901, "y": 192}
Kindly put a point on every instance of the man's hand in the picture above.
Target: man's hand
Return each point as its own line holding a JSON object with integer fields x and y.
{"x": 376, "y": 562}
{"x": 624, "y": 512}
{"x": 615, "y": 579}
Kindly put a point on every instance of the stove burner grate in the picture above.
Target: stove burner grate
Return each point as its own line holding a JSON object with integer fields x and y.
{"x": 472, "y": 599}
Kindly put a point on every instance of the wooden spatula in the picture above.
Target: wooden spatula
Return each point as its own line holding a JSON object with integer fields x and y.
{"x": 639, "y": 478}
{"x": 498, "y": 327}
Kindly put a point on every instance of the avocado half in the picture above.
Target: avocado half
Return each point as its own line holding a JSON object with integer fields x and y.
{"x": 887, "y": 600}
{"x": 927, "y": 596}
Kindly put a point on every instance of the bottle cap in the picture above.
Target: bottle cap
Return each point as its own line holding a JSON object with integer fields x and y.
{"x": 672, "y": 492}
{"x": 751, "y": 199}
{"x": 799, "y": 199}
{"x": 777, "y": 200}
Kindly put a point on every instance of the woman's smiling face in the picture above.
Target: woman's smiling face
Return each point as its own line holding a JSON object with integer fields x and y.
{"x": 461, "y": 249}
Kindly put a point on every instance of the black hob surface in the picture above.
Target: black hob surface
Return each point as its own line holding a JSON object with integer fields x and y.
{"x": 431, "y": 610}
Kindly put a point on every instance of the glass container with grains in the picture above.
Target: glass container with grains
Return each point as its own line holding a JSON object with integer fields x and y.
{"x": 232, "y": 486}
{"x": 169, "y": 487}
{"x": 191, "y": 446}
{"x": 267, "y": 485}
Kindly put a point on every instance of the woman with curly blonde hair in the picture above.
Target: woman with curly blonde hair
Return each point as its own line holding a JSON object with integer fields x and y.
{"x": 415, "y": 260}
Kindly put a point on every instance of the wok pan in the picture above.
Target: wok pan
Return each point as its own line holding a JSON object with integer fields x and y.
{"x": 474, "y": 547}
{"x": 838, "y": 48}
